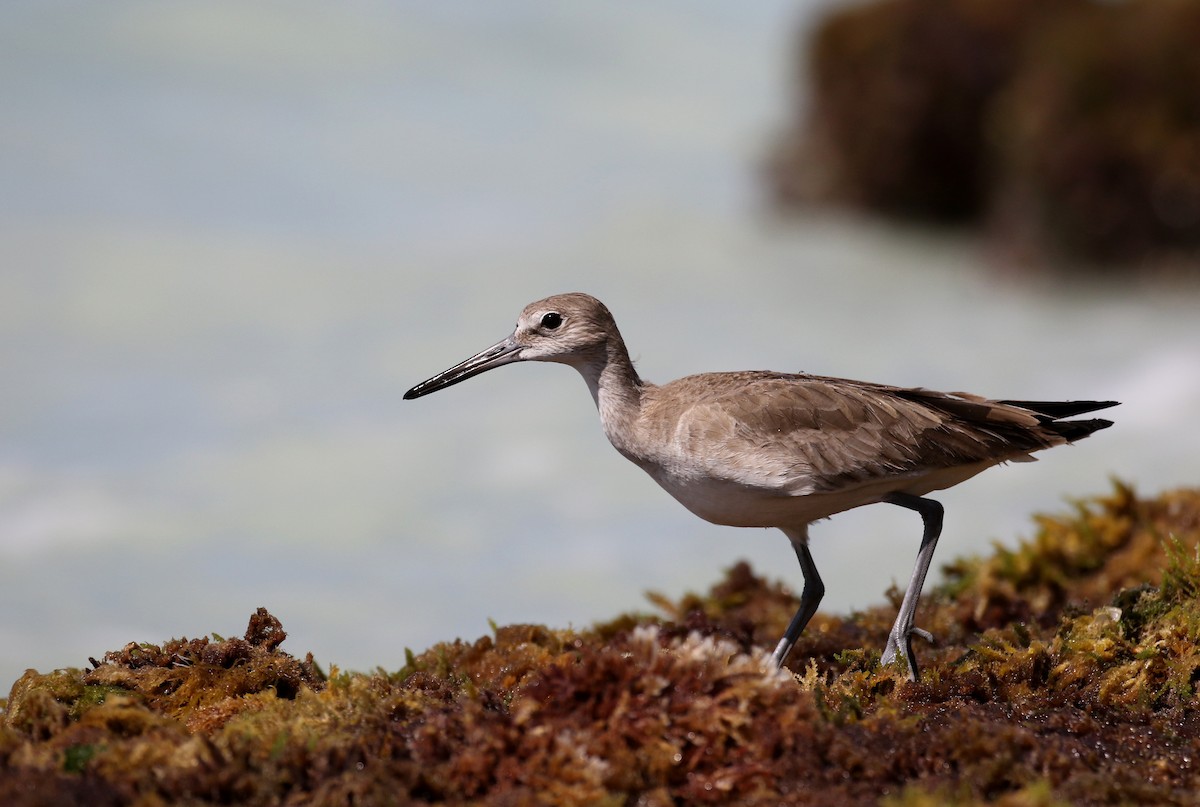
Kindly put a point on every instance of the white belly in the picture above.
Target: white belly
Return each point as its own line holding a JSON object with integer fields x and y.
{"x": 737, "y": 505}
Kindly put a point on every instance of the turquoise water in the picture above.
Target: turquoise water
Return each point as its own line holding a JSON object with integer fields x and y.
{"x": 232, "y": 237}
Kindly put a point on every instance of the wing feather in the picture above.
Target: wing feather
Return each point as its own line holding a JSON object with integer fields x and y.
{"x": 797, "y": 434}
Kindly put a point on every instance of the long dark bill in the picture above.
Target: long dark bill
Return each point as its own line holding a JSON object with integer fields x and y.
{"x": 505, "y": 352}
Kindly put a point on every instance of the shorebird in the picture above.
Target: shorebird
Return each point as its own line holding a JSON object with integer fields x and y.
{"x": 767, "y": 449}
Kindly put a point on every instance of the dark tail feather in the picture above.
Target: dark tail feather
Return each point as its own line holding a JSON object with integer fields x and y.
{"x": 1065, "y": 409}
{"x": 1077, "y": 429}
{"x": 1072, "y": 430}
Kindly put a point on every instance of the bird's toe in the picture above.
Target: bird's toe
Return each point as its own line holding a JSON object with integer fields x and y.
{"x": 899, "y": 646}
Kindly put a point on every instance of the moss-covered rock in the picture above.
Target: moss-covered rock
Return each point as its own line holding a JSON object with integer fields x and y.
{"x": 1097, "y": 135}
{"x": 1068, "y": 128}
{"x": 895, "y": 99}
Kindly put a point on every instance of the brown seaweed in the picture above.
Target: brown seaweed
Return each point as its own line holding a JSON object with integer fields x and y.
{"x": 1065, "y": 673}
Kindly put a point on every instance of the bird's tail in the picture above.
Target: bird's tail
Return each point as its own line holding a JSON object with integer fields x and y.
{"x": 1050, "y": 412}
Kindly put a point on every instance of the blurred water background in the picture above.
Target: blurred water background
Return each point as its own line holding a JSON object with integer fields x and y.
{"x": 232, "y": 235}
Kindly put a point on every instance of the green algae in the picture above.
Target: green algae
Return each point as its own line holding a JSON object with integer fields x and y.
{"x": 1065, "y": 672}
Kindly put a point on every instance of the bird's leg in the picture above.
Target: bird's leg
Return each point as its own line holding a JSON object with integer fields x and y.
{"x": 810, "y": 597}
{"x": 900, "y": 638}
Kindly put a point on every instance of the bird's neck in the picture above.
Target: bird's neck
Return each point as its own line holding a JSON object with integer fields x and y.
{"x": 614, "y": 384}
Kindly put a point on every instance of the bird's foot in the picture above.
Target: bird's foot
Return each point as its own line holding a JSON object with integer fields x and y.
{"x": 899, "y": 643}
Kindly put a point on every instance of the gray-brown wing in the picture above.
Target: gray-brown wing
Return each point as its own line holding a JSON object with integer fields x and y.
{"x": 809, "y": 434}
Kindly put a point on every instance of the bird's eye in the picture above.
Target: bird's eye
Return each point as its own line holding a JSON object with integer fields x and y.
{"x": 551, "y": 320}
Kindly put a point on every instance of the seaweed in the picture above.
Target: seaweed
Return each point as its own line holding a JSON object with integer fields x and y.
{"x": 1065, "y": 673}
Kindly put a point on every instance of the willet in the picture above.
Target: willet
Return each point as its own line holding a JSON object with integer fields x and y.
{"x": 766, "y": 449}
